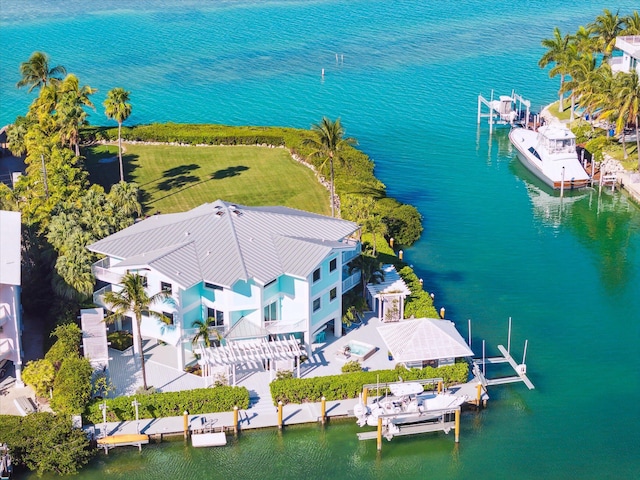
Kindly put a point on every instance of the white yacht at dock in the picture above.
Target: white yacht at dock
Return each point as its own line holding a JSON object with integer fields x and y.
{"x": 550, "y": 154}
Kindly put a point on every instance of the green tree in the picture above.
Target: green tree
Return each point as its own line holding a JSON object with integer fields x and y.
{"x": 204, "y": 331}
{"x": 70, "y": 110}
{"x": 376, "y": 227}
{"x": 370, "y": 269}
{"x": 35, "y": 72}
{"x": 631, "y": 24}
{"x": 117, "y": 108}
{"x": 134, "y": 298}
{"x": 39, "y": 375}
{"x": 329, "y": 143}
{"x": 557, "y": 54}
{"x": 67, "y": 345}
{"x": 606, "y": 27}
{"x": 125, "y": 198}
{"x": 46, "y": 443}
{"x": 72, "y": 386}
{"x": 627, "y": 101}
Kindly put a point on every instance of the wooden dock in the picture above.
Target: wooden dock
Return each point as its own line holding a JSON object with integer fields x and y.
{"x": 123, "y": 440}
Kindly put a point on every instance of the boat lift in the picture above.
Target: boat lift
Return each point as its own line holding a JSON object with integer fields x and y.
{"x": 479, "y": 365}
{"x": 507, "y": 110}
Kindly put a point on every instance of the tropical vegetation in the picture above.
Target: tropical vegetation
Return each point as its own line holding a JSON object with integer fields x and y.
{"x": 584, "y": 58}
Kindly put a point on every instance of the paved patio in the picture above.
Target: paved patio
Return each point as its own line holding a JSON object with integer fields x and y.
{"x": 163, "y": 374}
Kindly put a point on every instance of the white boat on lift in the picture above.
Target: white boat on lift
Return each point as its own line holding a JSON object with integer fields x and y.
{"x": 550, "y": 154}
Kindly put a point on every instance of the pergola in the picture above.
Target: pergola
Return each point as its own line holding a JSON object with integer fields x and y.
{"x": 254, "y": 353}
{"x": 387, "y": 297}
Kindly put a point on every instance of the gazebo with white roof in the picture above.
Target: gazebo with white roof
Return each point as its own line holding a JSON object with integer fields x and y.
{"x": 424, "y": 342}
{"x": 387, "y": 297}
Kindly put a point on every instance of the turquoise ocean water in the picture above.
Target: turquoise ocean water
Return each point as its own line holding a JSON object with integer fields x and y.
{"x": 494, "y": 245}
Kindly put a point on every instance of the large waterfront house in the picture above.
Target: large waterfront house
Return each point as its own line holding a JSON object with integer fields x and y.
{"x": 629, "y": 45}
{"x": 268, "y": 273}
{"x": 10, "y": 306}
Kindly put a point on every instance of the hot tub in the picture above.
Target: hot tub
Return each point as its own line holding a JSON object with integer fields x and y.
{"x": 360, "y": 350}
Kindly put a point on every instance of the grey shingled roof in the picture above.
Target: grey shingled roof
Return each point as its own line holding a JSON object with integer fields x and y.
{"x": 222, "y": 243}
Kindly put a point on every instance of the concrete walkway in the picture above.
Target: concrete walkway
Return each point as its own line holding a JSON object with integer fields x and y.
{"x": 293, "y": 414}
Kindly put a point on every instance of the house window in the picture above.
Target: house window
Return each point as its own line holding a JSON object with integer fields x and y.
{"x": 316, "y": 304}
{"x": 169, "y": 318}
{"x": 316, "y": 275}
{"x": 333, "y": 264}
{"x": 212, "y": 286}
{"x": 271, "y": 312}
{"x": 165, "y": 287}
{"x": 333, "y": 293}
{"x": 216, "y": 316}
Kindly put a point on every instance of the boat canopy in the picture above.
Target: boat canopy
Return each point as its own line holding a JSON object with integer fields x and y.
{"x": 557, "y": 139}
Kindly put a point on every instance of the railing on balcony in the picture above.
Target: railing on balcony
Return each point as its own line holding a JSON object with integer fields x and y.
{"x": 99, "y": 294}
{"x": 5, "y": 314}
{"x": 6, "y": 350}
{"x": 351, "y": 254}
{"x": 278, "y": 327}
{"x": 102, "y": 271}
{"x": 351, "y": 282}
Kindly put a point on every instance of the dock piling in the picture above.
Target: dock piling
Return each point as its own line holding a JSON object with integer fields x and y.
{"x": 439, "y": 387}
{"x": 323, "y": 410}
{"x": 365, "y": 395}
{"x": 479, "y": 394}
{"x": 280, "y": 415}
{"x": 235, "y": 419}
{"x": 186, "y": 424}
{"x": 379, "y": 437}
{"x": 457, "y": 427}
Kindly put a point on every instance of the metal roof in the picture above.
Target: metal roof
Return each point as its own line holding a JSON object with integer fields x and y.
{"x": 222, "y": 243}
{"x": 10, "y": 234}
{"x": 392, "y": 283}
{"x": 424, "y": 339}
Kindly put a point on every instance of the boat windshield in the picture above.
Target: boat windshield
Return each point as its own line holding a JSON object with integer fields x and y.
{"x": 564, "y": 145}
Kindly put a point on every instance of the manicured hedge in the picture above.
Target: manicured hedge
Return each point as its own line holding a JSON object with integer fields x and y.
{"x": 171, "y": 404}
{"x": 349, "y": 385}
{"x": 419, "y": 304}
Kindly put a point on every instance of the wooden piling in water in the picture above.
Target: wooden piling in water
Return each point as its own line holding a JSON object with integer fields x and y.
{"x": 186, "y": 424}
{"x": 235, "y": 419}
{"x": 457, "y": 427}
{"x": 280, "y": 415}
{"x": 379, "y": 438}
{"x": 323, "y": 410}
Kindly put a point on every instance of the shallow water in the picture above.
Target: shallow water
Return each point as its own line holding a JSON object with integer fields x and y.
{"x": 494, "y": 245}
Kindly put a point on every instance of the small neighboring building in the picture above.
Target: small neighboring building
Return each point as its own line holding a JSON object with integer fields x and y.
{"x": 424, "y": 342}
{"x": 10, "y": 306}
{"x": 387, "y": 297}
{"x": 630, "y": 58}
{"x": 258, "y": 272}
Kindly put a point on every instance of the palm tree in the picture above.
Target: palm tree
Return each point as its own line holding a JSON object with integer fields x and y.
{"x": 35, "y": 72}
{"x": 375, "y": 226}
{"x": 606, "y": 28}
{"x": 204, "y": 331}
{"x": 627, "y": 94}
{"x": 557, "y": 54}
{"x": 117, "y": 108}
{"x": 70, "y": 112}
{"x": 124, "y": 197}
{"x": 631, "y": 24}
{"x": 134, "y": 298}
{"x": 579, "y": 69}
{"x": 370, "y": 269}
{"x": 329, "y": 144}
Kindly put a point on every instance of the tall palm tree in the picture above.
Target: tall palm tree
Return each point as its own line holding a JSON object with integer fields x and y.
{"x": 606, "y": 28}
{"x": 117, "y": 108}
{"x": 375, "y": 226}
{"x": 70, "y": 112}
{"x": 329, "y": 143}
{"x": 556, "y": 53}
{"x": 579, "y": 69}
{"x": 134, "y": 298}
{"x": 124, "y": 197}
{"x": 627, "y": 94}
{"x": 35, "y": 72}
{"x": 205, "y": 331}
{"x": 370, "y": 269}
{"x": 631, "y": 24}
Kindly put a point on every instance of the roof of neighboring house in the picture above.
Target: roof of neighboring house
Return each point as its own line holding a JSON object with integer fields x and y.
{"x": 222, "y": 243}
{"x": 392, "y": 283}
{"x": 424, "y": 339}
{"x": 10, "y": 234}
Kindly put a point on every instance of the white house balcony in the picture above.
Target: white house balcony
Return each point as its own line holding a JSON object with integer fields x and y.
{"x": 101, "y": 270}
{"x": 351, "y": 254}
{"x": 351, "y": 281}
{"x": 98, "y": 296}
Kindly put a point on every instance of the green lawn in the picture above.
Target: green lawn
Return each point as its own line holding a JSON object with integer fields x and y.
{"x": 176, "y": 179}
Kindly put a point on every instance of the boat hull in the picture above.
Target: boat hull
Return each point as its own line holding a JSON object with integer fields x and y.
{"x": 535, "y": 166}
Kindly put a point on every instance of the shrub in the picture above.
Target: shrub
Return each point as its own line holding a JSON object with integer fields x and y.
{"x": 169, "y": 404}
{"x": 67, "y": 345}
{"x": 45, "y": 443}
{"x": 72, "y": 386}
{"x": 419, "y": 304}
{"x": 120, "y": 340}
{"x": 340, "y": 387}
{"x": 352, "y": 366}
{"x": 39, "y": 375}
